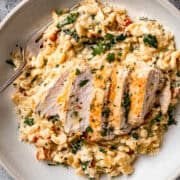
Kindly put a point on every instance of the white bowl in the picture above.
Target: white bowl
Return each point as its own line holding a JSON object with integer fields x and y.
{"x": 19, "y": 158}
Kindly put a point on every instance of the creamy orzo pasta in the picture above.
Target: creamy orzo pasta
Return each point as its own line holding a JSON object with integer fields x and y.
{"x": 100, "y": 92}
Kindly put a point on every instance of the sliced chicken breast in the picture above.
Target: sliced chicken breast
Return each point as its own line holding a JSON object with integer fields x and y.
{"x": 78, "y": 107}
{"x": 48, "y": 106}
{"x": 99, "y": 112}
{"x": 165, "y": 98}
{"x": 119, "y": 89}
{"x": 145, "y": 81}
{"x": 88, "y": 99}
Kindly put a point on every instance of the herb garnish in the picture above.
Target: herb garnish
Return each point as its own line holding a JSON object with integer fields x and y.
{"x": 101, "y": 149}
{"x": 72, "y": 33}
{"x": 54, "y": 118}
{"x": 106, "y": 112}
{"x": 78, "y": 71}
{"x": 103, "y": 44}
{"x": 10, "y": 62}
{"x": 104, "y": 132}
{"x": 59, "y": 12}
{"x": 178, "y": 74}
{"x": 29, "y": 121}
{"x": 93, "y": 16}
{"x": 34, "y": 79}
{"x": 120, "y": 37}
{"x": 98, "y": 49}
{"x": 157, "y": 118}
{"x": 71, "y": 18}
{"x": 89, "y": 129}
{"x": 76, "y": 145}
{"x": 84, "y": 165}
{"x": 74, "y": 114}
{"x": 135, "y": 135}
{"x": 83, "y": 82}
{"x": 113, "y": 147}
{"x": 150, "y": 40}
{"x": 93, "y": 70}
{"x": 126, "y": 104}
{"x": 171, "y": 119}
{"x": 110, "y": 57}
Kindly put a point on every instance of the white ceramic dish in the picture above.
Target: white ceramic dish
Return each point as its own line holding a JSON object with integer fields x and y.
{"x": 19, "y": 158}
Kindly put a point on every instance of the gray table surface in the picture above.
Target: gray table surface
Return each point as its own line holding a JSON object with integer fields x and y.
{"x": 5, "y": 7}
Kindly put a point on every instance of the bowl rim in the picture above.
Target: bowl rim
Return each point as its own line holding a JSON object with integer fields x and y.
{"x": 166, "y": 4}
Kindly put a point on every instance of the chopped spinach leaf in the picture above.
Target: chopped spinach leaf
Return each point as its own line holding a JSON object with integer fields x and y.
{"x": 29, "y": 121}
{"x": 83, "y": 82}
{"x": 150, "y": 40}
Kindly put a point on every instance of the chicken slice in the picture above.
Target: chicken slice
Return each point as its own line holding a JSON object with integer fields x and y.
{"x": 165, "y": 98}
{"x": 48, "y": 106}
{"x": 118, "y": 116}
{"x": 65, "y": 95}
{"x": 145, "y": 81}
{"x": 78, "y": 108}
{"x": 99, "y": 112}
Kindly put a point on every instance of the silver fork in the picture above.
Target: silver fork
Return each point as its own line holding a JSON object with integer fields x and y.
{"x": 33, "y": 43}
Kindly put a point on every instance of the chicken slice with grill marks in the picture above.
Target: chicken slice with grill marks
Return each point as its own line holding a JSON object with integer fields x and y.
{"x": 145, "y": 82}
{"x": 48, "y": 106}
{"x": 118, "y": 101}
{"x": 99, "y": 111}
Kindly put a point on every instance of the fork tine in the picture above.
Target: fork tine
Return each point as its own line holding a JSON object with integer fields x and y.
{"x": 15, "y": 75}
